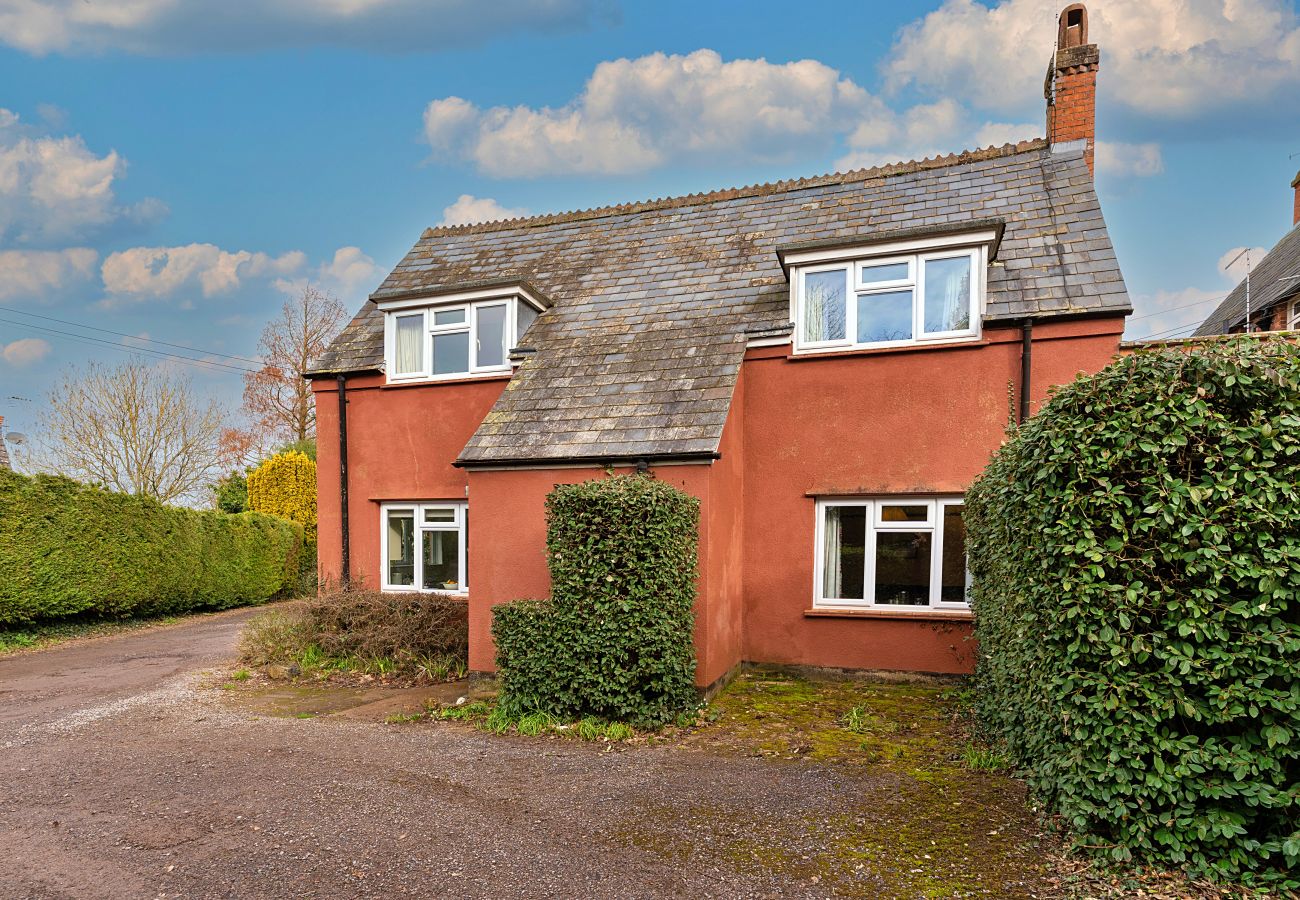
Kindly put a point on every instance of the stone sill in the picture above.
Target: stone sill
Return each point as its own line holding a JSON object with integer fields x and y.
{"x": 929, "y": 615}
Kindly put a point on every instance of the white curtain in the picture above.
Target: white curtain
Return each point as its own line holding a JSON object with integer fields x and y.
{"x": 410, "y": 334}
{"x": 832, "y": 573}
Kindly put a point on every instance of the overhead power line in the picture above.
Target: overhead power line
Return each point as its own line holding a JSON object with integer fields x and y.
{"x": 23, "y": 312}
{"x": 126, "y": 348}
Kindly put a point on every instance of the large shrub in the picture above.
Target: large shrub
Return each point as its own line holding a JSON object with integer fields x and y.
{"x": 615, "y": 639}
{"x": 68, "y": 549}
{"x": 285, "y": 485}
{"x": 1136, "y": 555}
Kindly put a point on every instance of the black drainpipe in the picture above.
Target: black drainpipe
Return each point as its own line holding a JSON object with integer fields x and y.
{"x": 343, "y": 478}
{"x": 1026, "y": 365}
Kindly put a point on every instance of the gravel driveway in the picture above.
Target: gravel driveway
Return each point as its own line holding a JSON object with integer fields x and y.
{"x": 127, "y": 774}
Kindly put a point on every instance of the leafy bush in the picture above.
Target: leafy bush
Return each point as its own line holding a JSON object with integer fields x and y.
{"x": 413, "y": 635}
{"x": 69, "y": 549}
{"x": 614, "y": 641}
{"x": 231, "y": 493}
{"x": 1136, "y": 555}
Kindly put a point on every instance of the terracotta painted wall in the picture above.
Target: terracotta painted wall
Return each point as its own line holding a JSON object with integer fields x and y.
{"x": 880, "y": 422}
{"x": 401, "y": 445}
{"x": 507, "y": 539}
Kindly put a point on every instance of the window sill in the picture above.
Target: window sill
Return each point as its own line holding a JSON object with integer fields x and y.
{"x": 434, "y": 382}
{"x": 802, "y": 355}
{"x": 924, "y": 615}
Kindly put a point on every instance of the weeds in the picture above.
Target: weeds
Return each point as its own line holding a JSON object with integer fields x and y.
{"x": 860, "y": 720}
{"x": 986, "y": 758}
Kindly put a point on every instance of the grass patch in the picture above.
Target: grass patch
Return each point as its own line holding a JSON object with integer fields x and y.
{"x": 43, "y": 635}
{"x": 491, "y": 717}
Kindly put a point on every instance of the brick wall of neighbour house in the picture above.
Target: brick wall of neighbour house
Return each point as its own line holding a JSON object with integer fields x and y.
{"x": 878, "y": 422}
{"x": 898, "y": 421}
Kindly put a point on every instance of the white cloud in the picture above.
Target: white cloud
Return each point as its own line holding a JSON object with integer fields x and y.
{"x": 36, "y": 274}
{"x": 636, "y": 114}
{"x": 1136, "y": 160}
{"x": 170, "y": 27}
{"x": 1172, "y": 59}
{"x": 142, "y": 273}
{"x": 25, "y": 352}
{"x": 349, "y": 275}
{"x": 469, "y": 209}
{"x": 55, "y": 189}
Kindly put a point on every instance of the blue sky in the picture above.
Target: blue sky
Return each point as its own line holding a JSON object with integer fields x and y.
{"x": 170, "y": 170}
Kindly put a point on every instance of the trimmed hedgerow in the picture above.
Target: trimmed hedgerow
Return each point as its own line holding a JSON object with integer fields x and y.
{"x": 614, "y": 640}
{"x": 70, "y": 549}
{"x": 1136, "y": 557}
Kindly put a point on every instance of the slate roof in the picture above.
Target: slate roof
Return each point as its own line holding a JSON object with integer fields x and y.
{"x": 654, "y": 301}
{"x": 1269, "y": 285}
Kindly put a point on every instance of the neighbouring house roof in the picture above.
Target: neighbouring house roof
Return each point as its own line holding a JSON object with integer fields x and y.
{"x": 654, "y": 301}
{"x": 1269, "y": 285}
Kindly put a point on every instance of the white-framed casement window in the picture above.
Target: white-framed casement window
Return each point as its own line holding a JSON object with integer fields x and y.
{"x": 424, "y": 546}
{"x": 888, "y": 301}
{"x": 1293, "y": 316}
{"x": 899, "y": 553}
{"x": 454, "y": 340}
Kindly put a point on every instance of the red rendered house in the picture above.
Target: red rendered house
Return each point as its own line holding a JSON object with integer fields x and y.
{"x": 826, "y": 363}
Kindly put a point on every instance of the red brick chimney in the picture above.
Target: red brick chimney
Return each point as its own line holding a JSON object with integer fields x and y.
{"x": 1071, "y": 88}
{"x": 1295, "y": 213}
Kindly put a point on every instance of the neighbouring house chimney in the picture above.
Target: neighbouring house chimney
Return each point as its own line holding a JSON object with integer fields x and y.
{"x": 1295, "y": 213}
{"x": 1071, "y": 88}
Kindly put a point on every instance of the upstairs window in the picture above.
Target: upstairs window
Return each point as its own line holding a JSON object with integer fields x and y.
{"x": 889, "y": 301}
{"x": 455, "y": 340}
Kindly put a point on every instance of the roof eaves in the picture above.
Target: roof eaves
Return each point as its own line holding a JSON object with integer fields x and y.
{"x": 382, "y": 296}
{"x": 865, "y": 241}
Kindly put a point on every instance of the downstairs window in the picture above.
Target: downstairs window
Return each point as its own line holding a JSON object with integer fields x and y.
{"x": 424, "y": 547}
{"x": 896, "y": 553}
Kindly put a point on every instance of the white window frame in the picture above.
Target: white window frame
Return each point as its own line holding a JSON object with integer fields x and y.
{"x": 935, "y": 507}
{"x": 1293, "y": 320}
{"x": 459, "y": 524}
{"x": 469, "y": 326}
{"x": 854, "y": 287}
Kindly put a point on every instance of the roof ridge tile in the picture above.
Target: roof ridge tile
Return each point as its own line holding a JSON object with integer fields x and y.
{"x": 887, "y": 170}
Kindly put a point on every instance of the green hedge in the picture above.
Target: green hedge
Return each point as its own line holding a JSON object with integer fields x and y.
{"x": 68, "y": 549}
{"x": 614, "y": 641}
{"x": 1136, "y": 557}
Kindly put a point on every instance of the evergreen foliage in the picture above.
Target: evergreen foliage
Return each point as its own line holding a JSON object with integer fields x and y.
{"x": 1135, "y": 549}
{"x": 614, "y": 640}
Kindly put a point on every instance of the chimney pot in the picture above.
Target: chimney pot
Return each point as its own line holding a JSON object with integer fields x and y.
{"x": 1295, "y": 213}
{"x": 1071, "y": 88}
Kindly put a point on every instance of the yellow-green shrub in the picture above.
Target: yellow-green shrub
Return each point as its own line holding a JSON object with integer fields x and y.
{"x": 285, "y": 486}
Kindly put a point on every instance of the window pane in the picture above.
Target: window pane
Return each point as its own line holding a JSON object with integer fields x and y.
{"x": 953, "y": 587}
{"x": 843, "y": 576}
{"x": 527, "y": 316}
{"x": 887, "y": 272}
{"x": 947, "y": 294}
{"x": 451, "y": 353}
{"x": 885, "y": 317}
{"x": 440, "y": 514}
{"x": 449, "y": 317}
{"x": 401, "y": 548}
{"x": 908, "y": 513}
{"x": 903, "y": 568}
{"x": 409, "y": 355}
{"x": 441, "y": 560}
{"x": 824, "y": 305}
{"x": 492, "y": 348}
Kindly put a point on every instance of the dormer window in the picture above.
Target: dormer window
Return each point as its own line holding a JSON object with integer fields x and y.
{"x": 456, "y": 335}
{"x": 888, "y": 294}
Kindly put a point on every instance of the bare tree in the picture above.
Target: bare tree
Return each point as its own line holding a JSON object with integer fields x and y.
{"x": 276, "y": 396}
{"x": 134, "y": 428}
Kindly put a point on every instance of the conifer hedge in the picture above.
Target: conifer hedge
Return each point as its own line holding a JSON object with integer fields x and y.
{"x": 1135, "y": 549}
{"x": 614, "y": 640}
{"x": 71, "y": 549}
